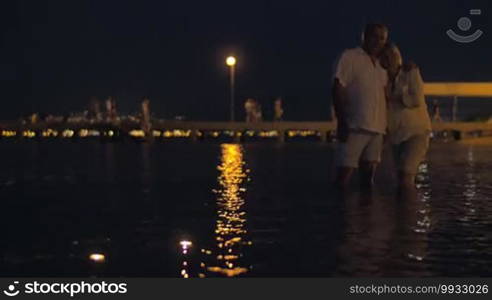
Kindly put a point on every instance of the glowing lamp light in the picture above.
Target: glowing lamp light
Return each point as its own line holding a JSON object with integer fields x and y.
{"x": 97, "y": 257}
{"x": 231, "y": 61}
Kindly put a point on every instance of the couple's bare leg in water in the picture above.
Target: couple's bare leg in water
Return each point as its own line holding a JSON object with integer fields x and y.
{"x": 367, "y": 171}
{"x": 406, "y": 180}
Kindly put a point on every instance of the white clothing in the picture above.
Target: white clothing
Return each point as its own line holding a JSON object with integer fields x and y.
{"x": 407, "y": 110}
{"x": 365, "y": 81}
{"x": 360, "y": 146}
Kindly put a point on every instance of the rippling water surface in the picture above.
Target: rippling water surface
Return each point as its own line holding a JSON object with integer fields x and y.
{"x": 254, "y": 210}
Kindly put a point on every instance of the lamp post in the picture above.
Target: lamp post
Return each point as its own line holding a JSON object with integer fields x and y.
{"x": 231, "y": 62}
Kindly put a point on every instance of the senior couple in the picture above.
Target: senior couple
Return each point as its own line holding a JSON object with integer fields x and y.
{"x": 376, "y": 94}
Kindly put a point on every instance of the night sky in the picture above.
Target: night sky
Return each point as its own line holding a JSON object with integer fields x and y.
{"x": 56, "y": 54}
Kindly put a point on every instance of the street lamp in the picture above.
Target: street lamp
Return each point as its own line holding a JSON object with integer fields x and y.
{"x": 231, "y": 62}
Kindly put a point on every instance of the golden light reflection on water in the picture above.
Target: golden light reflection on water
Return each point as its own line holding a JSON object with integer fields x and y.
{"x": 230, "y": 228}
{"x": 185, "y": 247}
{"x": 471, "y": 187}
{"x": 417, "y": 247}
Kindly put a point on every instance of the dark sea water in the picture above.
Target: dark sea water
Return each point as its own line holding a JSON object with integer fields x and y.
{"x": 254, "y": 210}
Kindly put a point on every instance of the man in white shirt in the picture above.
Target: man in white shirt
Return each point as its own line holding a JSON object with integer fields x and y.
{"x": 359, "y": 99}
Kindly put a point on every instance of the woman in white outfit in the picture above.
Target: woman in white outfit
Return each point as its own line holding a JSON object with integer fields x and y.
{"x": 409, "y": 124}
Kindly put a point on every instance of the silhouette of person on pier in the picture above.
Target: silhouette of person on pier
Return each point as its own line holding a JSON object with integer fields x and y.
{"x": 249, "y": 109}
{"x": 436, "y": 112}
{"x": 278, "y": 110}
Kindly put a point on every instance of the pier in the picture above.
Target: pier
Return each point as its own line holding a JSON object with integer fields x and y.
{"x": 235, "y": 131}
{"x": 281, "y": 131}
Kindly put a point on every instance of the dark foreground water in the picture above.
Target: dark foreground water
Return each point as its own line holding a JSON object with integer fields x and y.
{"x": 261, "y": 210}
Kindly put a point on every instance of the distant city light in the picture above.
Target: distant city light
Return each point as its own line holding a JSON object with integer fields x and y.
{"x": 176, "y": 133}
{"x": 83, "y": 133}
{"x": 67, "y": 133}
{"x": 94, "y": 133}
{"x": 137, "y": 133}
{"x": 8, "y": 133}
{"x": 50, "y": 133}
{"x": 302, "y": 133}
{"x": 29, "y": 134}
